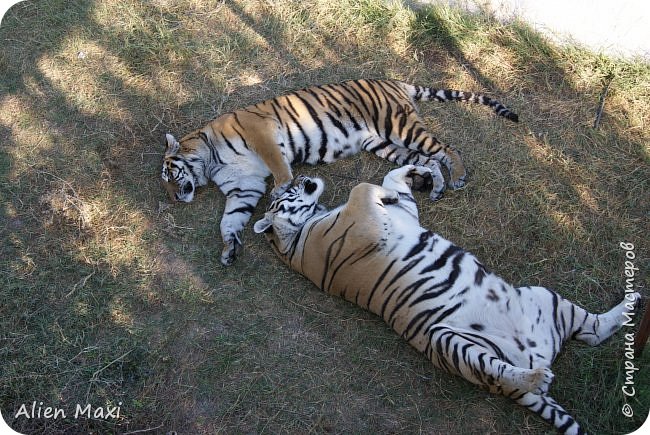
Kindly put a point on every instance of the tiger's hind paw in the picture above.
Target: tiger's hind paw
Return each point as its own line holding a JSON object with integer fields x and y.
{"x": 279, "y": 190}
{"x": 539, "y": 380}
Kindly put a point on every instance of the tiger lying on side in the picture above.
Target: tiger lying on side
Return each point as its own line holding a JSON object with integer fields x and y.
{"x": 238, "y": 150}
{"x": 465, "y": 319}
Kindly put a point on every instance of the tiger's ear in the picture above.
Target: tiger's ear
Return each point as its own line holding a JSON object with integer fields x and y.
{"x": 263, "y": 225}
{"x": 172, "y": 145}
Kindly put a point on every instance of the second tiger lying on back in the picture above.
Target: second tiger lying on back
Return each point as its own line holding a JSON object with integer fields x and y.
{"x": 238, "y": 150}
{"x": 465, "y": 319}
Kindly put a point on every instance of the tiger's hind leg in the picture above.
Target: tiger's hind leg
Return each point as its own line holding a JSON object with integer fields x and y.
{"x": 481, "y": 361}
{"x": 547, "y": 408}
{"x": 572, "y": 321}
{"x": 402, "y": 156}
{"x": 450, "y": 157}
{"x": 596, "y": 328}
{"x": 417, "y": 138}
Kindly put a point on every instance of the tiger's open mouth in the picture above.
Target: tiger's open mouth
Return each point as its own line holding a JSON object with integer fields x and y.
{"x": 187, "y": 188}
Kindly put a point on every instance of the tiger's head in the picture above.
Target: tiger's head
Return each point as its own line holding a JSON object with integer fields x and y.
{"x": 289, "y": 212}
{"x": 179, "y": 176}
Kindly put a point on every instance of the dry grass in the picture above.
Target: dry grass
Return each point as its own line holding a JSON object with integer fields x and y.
{"x": 110, "y": 295}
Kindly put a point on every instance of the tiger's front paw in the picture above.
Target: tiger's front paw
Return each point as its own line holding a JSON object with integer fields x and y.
{"x": 227, "y": 256}
{"x": 420, "y": 178}
{"x": 279, "y": 190}
{"x": 231, "y": 249}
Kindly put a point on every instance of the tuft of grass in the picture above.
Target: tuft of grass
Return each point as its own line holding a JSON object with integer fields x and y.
{"x": 110, "y": 294}
{"x": 453, "y": 28}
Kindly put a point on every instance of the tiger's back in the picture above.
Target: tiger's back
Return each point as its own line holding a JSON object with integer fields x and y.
{"x": 324, "y": 123}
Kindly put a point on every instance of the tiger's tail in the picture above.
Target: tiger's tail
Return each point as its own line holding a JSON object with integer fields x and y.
{"x": 422, "y": 93}
{"x": 549, "y": 410}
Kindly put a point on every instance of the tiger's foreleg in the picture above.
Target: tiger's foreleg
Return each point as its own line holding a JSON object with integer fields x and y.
{"x": 242, "y": 195}
{"x": 402, "y": 156}
{"x": 480, "y": 361}
{"x": 265, "y": 138}
{"x": 547, "y": 408}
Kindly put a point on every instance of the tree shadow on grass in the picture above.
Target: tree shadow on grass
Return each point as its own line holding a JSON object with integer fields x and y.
{"x": 558, "y": 203}
{"x": 98, "y": 319}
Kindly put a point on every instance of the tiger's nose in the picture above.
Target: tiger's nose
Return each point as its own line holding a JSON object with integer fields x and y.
{"x": 171, "y": 191}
